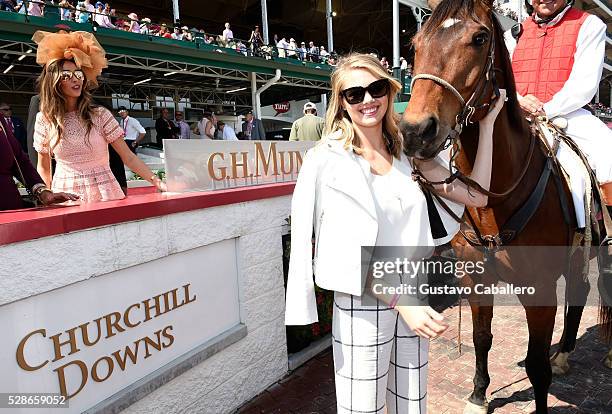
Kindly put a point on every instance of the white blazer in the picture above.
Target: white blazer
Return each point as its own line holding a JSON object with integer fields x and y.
{"x": 333, "y": 195}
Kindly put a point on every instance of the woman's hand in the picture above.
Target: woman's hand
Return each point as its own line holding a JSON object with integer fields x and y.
{"x": 423, "y": 320}
{"x": 47, "y": 197}
{"x": 161, "y": 186}
{"x": 490, "y": 118}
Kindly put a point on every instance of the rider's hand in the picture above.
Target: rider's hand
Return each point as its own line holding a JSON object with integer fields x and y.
{"x": 490, "y": 118}
{"x": 423, "y": 320}
{"x": 531, "y": 104}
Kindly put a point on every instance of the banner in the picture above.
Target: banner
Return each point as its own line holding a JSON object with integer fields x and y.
{"x": 201, "y": 165}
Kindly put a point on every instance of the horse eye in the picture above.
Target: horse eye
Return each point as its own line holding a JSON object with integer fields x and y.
{"x": 480, "y": 38}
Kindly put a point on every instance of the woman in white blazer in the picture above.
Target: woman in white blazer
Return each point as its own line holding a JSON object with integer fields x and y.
{"x": 355, "y": 188}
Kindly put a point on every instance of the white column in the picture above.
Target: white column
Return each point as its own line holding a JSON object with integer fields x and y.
{"x": 254, "y": 94}
{"x": 264, "y": 21}
{"x": 396, "y": 35}
{"x": 330, "y": 30}
{"x": 175, "y": 11}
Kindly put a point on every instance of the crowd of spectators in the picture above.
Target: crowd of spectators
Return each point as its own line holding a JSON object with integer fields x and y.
{"x": 100, "y": 14}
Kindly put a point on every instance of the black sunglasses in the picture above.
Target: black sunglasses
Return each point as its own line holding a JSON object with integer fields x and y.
{"x": 376, "y": 89}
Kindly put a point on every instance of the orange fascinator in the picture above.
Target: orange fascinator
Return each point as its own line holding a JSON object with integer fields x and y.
{"x": 81, "y": 47}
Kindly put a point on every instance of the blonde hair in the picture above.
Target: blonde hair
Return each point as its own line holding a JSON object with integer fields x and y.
{"x": 53, "y": 103}
{"x": 336, "y": 118}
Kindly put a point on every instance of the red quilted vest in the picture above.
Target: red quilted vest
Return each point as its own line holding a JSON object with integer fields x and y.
{"x": 543, "y": 58}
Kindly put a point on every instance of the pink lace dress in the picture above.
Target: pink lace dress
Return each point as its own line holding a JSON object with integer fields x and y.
{"x": 82, "y": 165}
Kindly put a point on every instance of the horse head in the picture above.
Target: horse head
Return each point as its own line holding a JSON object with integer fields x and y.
{"x": 454, "y": 74}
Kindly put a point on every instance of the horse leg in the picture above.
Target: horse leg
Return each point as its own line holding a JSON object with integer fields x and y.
{"x": 541, "y": 322}
{"x": 483, "y": 339}
{"x": 559, "y": 362}
{"x": 578, "y": 290}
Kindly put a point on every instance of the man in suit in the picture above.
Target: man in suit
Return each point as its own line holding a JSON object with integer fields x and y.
{"x": 253, "y": 128}
{"x": 15, "y": 124}
{"x": 164, "y": 128}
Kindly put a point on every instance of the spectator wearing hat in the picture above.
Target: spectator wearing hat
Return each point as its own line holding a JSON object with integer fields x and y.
{"x": 145, "y": 27}
{"x": 132, "y": 128}
{"x": 186, "y": 34}
{"x": 253, "y": 128}
{"x": 302, "y": 51}
{"x": 324, "y": 54}
{"x": 292, "y": 49}
{"x": 134, "y": 25}
{"x": 101, "y": 18}
{"x": 309, "y": 127}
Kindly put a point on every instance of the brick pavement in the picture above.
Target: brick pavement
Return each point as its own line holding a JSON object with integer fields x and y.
{"x": 586, "y": 389}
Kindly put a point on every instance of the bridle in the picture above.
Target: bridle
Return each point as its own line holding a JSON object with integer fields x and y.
{"x": 475, "y": 102}
{"x": 469, "y": 107}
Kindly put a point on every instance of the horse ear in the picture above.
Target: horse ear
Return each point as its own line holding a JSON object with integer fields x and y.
{"x": 433, "y": 4}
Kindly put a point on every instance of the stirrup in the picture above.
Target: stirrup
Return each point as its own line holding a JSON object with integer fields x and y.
{"x": 604, "y": 260}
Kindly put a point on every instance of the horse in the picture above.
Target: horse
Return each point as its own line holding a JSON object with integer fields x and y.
{"x": 452, "y": 89}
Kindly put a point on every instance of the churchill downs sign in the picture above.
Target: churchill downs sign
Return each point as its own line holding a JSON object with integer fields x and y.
{"x": 91, "y": 340}
{"x": 196, "y": 165}
{"x": 67, "y": 345}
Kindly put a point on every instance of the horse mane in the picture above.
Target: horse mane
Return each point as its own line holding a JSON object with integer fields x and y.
{"x": 504, "y": 64}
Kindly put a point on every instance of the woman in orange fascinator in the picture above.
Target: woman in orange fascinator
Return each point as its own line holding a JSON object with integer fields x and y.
{"x": 71, "y": 128}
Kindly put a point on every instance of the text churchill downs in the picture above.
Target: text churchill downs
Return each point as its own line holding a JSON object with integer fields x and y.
{"x": 67, "y": 344}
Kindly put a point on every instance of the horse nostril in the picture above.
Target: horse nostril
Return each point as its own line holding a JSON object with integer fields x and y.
{"x": 430, "y": 129}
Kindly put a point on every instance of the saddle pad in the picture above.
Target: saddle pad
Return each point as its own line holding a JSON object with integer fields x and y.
{"x": 576, "y": 176}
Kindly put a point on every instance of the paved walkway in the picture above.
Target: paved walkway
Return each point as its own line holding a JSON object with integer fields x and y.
{"x": 586, "y": 390}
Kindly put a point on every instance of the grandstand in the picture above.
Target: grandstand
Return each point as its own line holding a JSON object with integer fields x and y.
{"x": 146, "y": 72}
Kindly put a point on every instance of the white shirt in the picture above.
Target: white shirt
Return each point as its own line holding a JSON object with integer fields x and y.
{"x": 398, "y": 212}
{"x": 229, "y": 134}
{"x": 103, "y": 20}
{"x": 282, "y": 46}
{"x": 228, "y": 34}
{"x": 583, "y": 82}
{"x": 132, "y": 128}
{"x": 202, "y": 124}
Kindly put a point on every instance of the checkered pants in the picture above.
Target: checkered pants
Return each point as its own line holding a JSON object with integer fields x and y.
{"x": 378, "y": 360}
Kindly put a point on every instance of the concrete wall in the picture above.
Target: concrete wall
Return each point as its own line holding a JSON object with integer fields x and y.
{"x": 227, "y": 379}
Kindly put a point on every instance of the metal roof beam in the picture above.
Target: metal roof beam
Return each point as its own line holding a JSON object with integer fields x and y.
{"x": 603, "y": 6}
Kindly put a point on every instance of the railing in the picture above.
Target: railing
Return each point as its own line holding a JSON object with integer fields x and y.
{"x": 146, "y": 28}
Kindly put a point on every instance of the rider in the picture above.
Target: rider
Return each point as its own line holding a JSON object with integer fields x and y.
{"x": 557, "y": 64}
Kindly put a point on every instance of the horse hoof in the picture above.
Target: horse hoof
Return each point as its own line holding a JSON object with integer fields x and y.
{"x": 608, "y": 361}
{"x": 559, "y": 363}
{"x": 471, "y": 408}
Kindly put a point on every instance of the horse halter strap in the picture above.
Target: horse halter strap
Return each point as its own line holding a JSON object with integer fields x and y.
{"x": 469, "y": 107}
